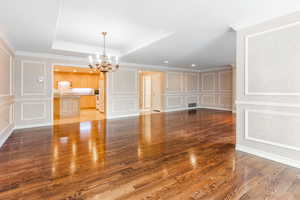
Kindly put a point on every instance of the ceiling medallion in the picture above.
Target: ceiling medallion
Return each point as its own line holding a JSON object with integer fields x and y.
{"x": 104, "y": 63}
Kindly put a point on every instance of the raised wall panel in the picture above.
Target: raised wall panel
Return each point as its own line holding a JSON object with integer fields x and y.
{"x": 5, "y": 116}
{"x": 174, "y": 82}
{"x": 124, "y": 82}
{"x": 124, "y": 105}
{"x": 279, "y": 129}
{"x": 225, "y": 100}
{"x": 225, "y": 81}
{"x": 34, "y": 78}
{"x": 272, "y": 61}
{"x": 5, "y": 72}
{"x": 191, "y": 82}
{"x": 33, "y": 111}
{"x": 175, "y": 101}
{"x": 191, "y": 99}
{"x": 208, "y": 81}
{"x": 208, "y": 99}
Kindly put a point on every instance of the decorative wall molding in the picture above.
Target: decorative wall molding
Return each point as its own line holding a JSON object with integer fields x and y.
{"x": 268, "y": 155}
{"x": 214, "y": 81}
{"x": 22, "y": 78}
{"x": 135, "y": 89}
{"x": 258, "y": 103}
{"x": 42, "y": 117}
{"x": 268, "y": 112}
{"x": 5, "y": 51}
{"x": 124, "y": 101}
{"x": 194, "y": 75}
{"x": 246, "y": 73}
{"x": 208, "y": 95}
{"x": 180, "y": 98}
{"x": 220, "y": 78}
{"x": 180, "y": 74}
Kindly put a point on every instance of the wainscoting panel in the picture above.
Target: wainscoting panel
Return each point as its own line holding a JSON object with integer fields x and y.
{"x": 192, "y": 99}
{"x": 208, "y": 100}
{"x": 6, "y": 92}
{"x": 5, "y": 72}
{"x": 124, "y": 105}
{"x": 33, "y": 111}
{"x": 268, "y": 89}
{"x": 272, "y": 127}
{"x": 174, "y": 102}
{"x": 225, "y": 100}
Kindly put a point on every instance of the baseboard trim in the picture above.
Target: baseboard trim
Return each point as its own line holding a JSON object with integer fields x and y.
{"x": 269, "y": 156}
{"x": 216, "y": 108}
{"x": 5, "y": 133}
{"x": 123, "y": 116}
{"x": 32, "y": 126}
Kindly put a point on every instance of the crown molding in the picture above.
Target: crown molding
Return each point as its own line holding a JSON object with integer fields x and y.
{"x": 239, "y": 27}
{"x": 83, "y": 60}
{"x": 216, "y": 68}
{"x": 50, "y": 56}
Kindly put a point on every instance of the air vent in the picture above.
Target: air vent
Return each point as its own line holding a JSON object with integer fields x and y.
{"x": 192, "y": 105}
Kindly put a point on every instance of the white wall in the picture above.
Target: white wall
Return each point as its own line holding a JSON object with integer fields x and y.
{"x": 33, "y": 89}
{"x": 6, "y": 92}
{"x": 268, "y": 89}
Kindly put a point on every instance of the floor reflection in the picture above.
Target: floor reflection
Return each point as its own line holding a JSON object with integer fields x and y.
{"x": 151, "y": 136}
{"x": 76, "y": 144}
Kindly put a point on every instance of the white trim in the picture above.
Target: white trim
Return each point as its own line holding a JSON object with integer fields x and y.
{"x": 257, "y": 103}
{"x": 123, "y": 116}
{"x": 270, "y": 156}
{"x": 44, "y": 116}
{"x": 216, "y": 108}
{"x": 267, "y": 112}
{"x": 22, "y": 78}
{"x": 33, "y": 126}
{"x": 246, "y": 73}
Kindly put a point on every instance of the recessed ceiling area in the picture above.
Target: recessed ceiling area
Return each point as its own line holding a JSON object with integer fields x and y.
{"x": 143, "y": 32}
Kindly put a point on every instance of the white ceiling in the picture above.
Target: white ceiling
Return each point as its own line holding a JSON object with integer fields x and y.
{"x": 184, "y": 32}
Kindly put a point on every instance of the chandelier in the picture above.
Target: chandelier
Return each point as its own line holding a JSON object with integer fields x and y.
{"x": 104, "y": 63}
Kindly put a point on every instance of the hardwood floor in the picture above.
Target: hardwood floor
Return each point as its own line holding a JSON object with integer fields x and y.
{"x": 176, "y": 156}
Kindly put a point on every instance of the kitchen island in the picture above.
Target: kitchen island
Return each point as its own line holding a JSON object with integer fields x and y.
{"x": 66, "y": 106}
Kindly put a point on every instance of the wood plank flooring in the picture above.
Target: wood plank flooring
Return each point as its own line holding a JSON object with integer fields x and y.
{"x": 177, "y": 156}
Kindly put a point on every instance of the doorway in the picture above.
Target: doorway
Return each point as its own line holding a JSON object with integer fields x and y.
{"x": 151, "y": 90}
{"x": 78, "y": 94}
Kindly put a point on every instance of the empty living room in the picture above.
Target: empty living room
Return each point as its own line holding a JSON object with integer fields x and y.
{"x": 149, "y": 100}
